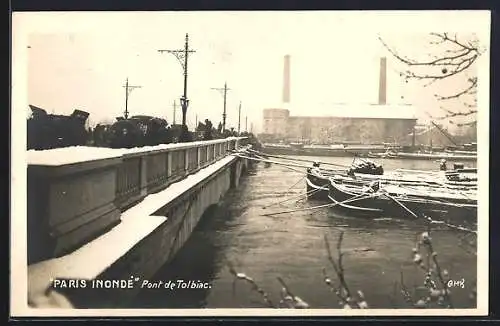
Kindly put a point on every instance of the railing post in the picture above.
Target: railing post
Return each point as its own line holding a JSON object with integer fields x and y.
{"x": 186, "y": 160}
{"x": 199, "y": 157}
{"x": 144, "y": 176}
{"x": 169, "y": 164}
{"x": 215, "y": 151}
{"x": 207, "y": 155}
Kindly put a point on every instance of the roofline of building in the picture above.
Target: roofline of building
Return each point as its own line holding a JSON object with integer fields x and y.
{"x": 347, "y": 117}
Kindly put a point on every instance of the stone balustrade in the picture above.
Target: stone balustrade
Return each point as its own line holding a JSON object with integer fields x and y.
{"x": 72, "y": 201}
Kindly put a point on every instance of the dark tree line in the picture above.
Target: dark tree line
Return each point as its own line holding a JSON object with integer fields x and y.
{"x": 47, "y": 131}
{"x": 207, "y": 131}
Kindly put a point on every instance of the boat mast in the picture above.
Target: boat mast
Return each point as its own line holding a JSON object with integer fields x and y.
{"x": 413, "y": 139}
{"x": 444, "y": 133}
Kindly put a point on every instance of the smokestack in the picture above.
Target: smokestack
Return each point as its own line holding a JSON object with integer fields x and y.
{"x": 286, "y": 80}
{"x": 382, "y": 92}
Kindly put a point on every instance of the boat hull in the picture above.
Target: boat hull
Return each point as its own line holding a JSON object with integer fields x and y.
{"x": 317, "y": 186}
{"x": 419, "y": 178}
{"x": 457, "y": 212}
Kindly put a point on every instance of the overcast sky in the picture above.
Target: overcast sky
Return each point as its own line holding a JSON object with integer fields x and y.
{"x": 81, "y": 60}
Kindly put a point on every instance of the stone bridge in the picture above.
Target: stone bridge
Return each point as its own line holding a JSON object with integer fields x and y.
{"x": 117, "y": 215}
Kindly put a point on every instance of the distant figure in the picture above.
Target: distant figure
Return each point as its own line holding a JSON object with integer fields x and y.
{"x": 207, "y": 132}
{"x": 185, "y": 136}
{"x": 316, "y": 164}
{"x": 99, "y": 135}
{"x": 442, "y": 165}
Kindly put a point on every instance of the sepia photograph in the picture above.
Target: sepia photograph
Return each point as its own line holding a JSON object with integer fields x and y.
{"x": 250, "y": 163}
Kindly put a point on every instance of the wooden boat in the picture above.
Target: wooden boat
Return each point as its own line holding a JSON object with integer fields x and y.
{"x": 317, "y": 180}
{"x": 462, "y": 179}
{"x": 446, "y": 179}
{"x": 317, "y": 183}
{"x": 457, "y": 207}
{"x": 459, "y": 177}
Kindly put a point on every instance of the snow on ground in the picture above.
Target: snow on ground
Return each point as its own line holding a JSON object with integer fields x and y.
{"x": 78, "y": 154}
{"x": 93, "y": 258}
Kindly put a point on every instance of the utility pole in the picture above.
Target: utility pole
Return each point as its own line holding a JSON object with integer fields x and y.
{"x": 246, "y": 123}
{"x": 196, "y": 122}
{"x": 175, "y": 108}
{"x": 224, "y": 93}
{"x": 182, "y": 57}
{"x": 239, "y": 116}
{"x": 128, "y": 89}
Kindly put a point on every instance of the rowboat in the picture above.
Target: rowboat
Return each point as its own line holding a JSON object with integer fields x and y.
{"x": 375, "y": 199}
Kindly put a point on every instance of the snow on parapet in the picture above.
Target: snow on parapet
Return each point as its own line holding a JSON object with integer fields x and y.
{"x": 79, "y": 154}
{"x": 70, "y": 155}
{"x": 145, "y": 149}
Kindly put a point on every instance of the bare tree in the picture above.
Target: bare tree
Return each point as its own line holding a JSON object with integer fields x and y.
{"x": 455, "y": 57}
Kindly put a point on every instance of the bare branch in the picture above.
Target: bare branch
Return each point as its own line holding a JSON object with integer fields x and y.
{"x": 426, "y": 240}
{"x": 404, "y": 291}
{"x": 337, "y": 266}
{"x": 254, "y": 285}
{"x": 450, "y": 114}
{"x": 469, "y": 90}
{"x": 456, "y": 58}
{"x": 289, "y": 298}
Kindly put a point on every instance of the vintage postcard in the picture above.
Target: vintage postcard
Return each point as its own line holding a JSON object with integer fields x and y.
{"x": 250, "y": 163}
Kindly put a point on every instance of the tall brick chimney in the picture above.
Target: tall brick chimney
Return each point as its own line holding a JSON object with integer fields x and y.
{"x": 382, "y": 84}
{"x": 286, "y": 80}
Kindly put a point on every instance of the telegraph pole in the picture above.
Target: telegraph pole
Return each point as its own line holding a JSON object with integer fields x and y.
{"x": 224, "y": 93}
{"x": 182, "y": 57}
{"x": 246, "y": 123}
{"x": 175, "y": 108}
{"x": 239, "y": 116}
{"x": 128, "y": 89}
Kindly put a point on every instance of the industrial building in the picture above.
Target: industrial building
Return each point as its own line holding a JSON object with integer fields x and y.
{"x": 366, "y": 124}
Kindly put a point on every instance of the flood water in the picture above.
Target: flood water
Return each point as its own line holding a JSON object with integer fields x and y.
{"x": 292, "y": 246}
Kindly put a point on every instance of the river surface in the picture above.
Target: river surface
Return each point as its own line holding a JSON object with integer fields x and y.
{"x": 292, "y": 246}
